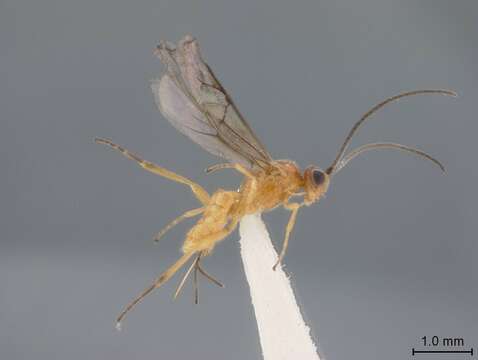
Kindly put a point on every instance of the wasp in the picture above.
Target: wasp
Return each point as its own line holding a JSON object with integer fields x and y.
{"x": 191, "y": 98}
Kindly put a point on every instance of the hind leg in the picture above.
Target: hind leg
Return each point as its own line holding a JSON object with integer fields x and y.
{"x": 165, "y": 276}
{"x": 204, "y": 246}
{"x": 197, "y": 189}
{"x": 187, "y": 214}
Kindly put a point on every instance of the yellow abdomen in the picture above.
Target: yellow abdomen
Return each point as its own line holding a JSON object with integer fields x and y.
{"x": 210, "y": 228}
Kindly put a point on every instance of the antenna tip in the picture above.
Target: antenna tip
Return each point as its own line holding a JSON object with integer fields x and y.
{"x": 444, "y": 92}
{"x": 453, "y": 93}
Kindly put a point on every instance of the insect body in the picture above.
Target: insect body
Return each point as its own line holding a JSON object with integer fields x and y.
{"x": 193, "y": 100}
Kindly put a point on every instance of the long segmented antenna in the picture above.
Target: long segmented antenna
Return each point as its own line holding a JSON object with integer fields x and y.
{"x": 361, "y": 149}
{"x": 332, "y": 168}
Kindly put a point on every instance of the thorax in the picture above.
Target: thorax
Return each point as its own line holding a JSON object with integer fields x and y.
{"x": 272, "y": 187}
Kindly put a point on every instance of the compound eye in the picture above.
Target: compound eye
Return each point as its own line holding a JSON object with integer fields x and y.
{"x": 318, "y": 176}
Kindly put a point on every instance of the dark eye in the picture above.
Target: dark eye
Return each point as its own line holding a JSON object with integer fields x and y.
{"x": 318, "y": 176}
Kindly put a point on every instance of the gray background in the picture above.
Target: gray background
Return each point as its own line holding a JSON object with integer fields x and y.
{"x": 387, "y": 257}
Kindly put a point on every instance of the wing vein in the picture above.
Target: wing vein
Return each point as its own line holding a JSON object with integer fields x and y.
{"x": 191, "y": 98}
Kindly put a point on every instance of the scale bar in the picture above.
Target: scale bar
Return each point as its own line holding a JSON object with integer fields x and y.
{"x": 442, "y": 351}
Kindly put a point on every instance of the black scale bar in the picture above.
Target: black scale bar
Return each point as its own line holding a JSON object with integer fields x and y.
{"x": 442, "y": 351}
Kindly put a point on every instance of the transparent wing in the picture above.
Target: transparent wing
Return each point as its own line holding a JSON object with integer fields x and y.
{"x": 195, "y": 103}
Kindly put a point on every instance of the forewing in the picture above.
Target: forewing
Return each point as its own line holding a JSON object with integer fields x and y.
{"x": 192, "y": 99}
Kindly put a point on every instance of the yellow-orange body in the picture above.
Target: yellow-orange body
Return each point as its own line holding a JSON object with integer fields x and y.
{"x": 260, "y": 191}
{"x": 265, "y": 186}
{"x": 192, "y": 99}
{"x": 210, "y": 227}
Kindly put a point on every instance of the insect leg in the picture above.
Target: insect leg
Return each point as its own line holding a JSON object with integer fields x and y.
{"x": 187, "y": 214}
{"x": 165, "y": 276}
{"x": 236, "y": 166}
{"x": 200, "y": 193}
{"x": 294, "y": 208}
{"x": 217, "y": 167}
